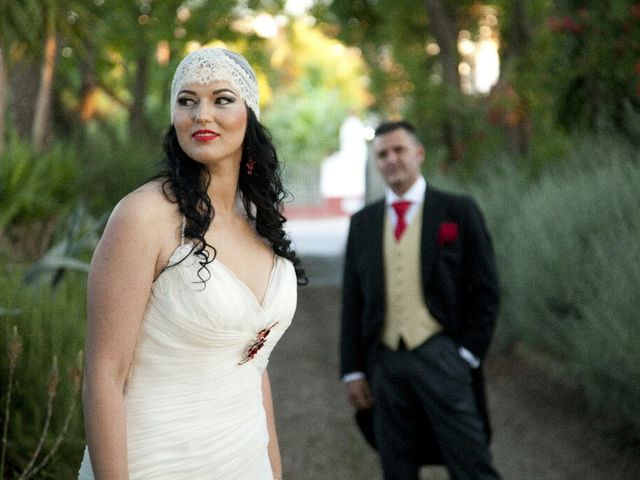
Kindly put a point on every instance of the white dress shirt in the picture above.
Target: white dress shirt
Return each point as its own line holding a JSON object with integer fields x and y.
{"x": 415, "y": 195}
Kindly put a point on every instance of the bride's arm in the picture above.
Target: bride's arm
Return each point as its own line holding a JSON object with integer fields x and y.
{"x": 120, "y": 278}
{"x": 274, "y": 448}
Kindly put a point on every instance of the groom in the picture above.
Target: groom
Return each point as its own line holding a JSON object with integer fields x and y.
{"x": 420, "y": 297}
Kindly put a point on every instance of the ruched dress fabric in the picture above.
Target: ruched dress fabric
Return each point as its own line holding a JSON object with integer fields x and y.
{"x": 193, "y": 409}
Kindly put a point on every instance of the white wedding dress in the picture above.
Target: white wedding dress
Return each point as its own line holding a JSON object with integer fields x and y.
{"x": 193, "y": 409}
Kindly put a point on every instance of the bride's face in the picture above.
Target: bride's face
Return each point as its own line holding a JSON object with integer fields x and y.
{"x": 210, "y": 122}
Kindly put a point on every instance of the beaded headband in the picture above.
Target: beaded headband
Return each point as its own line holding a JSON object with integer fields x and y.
{"x": 214, "y": 64}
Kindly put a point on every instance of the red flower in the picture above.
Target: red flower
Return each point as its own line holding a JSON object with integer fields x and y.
{"x": 564, "y": 25}
{"x": 555, "y": 24}
{"x": 447, "y": 233}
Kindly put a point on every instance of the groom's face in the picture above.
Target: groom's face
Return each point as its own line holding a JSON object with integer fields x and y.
{"x": 398, "y": 156}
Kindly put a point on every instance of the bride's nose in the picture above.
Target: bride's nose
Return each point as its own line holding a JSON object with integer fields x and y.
{"x": 203, "y": 112}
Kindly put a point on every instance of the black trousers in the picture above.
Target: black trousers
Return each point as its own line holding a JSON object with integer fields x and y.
{"x": 431, "y": 383}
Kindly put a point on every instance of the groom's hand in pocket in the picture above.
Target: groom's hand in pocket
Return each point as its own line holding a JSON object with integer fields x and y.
{"x": 359, "y": 393}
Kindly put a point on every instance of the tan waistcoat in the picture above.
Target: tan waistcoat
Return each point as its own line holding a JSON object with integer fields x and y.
{"x": 406, "y": 314}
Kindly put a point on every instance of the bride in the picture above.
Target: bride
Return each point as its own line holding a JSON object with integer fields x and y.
{"x": 191, "y": 286}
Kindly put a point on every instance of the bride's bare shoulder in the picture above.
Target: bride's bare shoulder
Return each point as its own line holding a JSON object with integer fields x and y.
{"x": 147, "y": 210}
{"x": 148, "y": 201}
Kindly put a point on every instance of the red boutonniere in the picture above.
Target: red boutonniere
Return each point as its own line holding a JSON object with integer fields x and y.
{"x": 447, "y": 233}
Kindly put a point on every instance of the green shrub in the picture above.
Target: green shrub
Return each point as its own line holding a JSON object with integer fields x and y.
{"x": 49, "y": 324}
{"x": 112, "y": 166}
{"x": 35, "y": 186}
{"x": 566, "y": 242}
{"x": 99, "y": 168}
{"x": 306, "y": 129}
{"x": 569, "y": 260}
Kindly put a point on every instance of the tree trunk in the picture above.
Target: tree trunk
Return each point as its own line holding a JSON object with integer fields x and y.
{"x": 137, "y": 118}
{"x": 518, "y": 131}
{"x": 89, "y": 89}
{"x": 4, "y": 87}
{"x": 40, "y": 129}
{"x": 445, "y": 31}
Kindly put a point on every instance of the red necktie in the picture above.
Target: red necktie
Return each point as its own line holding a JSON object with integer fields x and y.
{"x": 401, "y": 208}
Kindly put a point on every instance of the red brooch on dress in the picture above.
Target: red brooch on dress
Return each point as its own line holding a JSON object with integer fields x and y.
{"x": 255, "y": 347}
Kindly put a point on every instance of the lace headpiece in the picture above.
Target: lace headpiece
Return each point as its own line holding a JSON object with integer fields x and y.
{"x": 214, "y": 64}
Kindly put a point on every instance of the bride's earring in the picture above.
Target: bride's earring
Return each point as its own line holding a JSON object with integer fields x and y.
{"x": 251, "y": 163}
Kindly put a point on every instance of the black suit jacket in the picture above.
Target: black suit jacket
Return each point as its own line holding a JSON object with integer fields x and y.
{"x": 459, "y": 281}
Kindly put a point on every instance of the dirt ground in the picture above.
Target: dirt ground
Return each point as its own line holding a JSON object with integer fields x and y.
{"x": 541, "y": 430}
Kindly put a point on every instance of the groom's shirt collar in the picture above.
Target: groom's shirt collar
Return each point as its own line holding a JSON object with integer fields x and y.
{"x": 415, "y": 194}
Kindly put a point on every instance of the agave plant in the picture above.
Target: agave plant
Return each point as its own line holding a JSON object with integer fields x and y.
{"x": 80, "y": 237}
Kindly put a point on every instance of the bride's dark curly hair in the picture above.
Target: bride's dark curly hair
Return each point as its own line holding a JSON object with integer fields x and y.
{"x": 186, "y": 181}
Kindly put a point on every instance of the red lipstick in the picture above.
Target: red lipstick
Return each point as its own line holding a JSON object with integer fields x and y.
{"x": 204, "y": 135}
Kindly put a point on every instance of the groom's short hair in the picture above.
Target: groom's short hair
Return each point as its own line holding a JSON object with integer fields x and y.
{"x": 390, "y": 126}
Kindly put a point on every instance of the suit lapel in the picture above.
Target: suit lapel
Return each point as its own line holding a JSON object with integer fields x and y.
{"x": 432, "y": 214}
{"x": 376, "y": 246}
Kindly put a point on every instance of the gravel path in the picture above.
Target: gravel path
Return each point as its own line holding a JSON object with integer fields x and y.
{"x": 540, "y": 429}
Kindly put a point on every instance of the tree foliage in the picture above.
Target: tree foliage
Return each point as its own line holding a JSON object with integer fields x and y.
{"x": 564, "y": 65}
{"x": 320, "y": 82}
{"x": 598, "y": 64}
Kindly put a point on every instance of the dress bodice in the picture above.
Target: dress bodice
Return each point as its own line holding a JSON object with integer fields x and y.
{"x": 193, "y": 400}
{"x": 220, "y": 317}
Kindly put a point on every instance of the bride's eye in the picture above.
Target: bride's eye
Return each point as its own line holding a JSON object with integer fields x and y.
{"x": 186, "y": 101}
{"x": 225, "y": 100}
